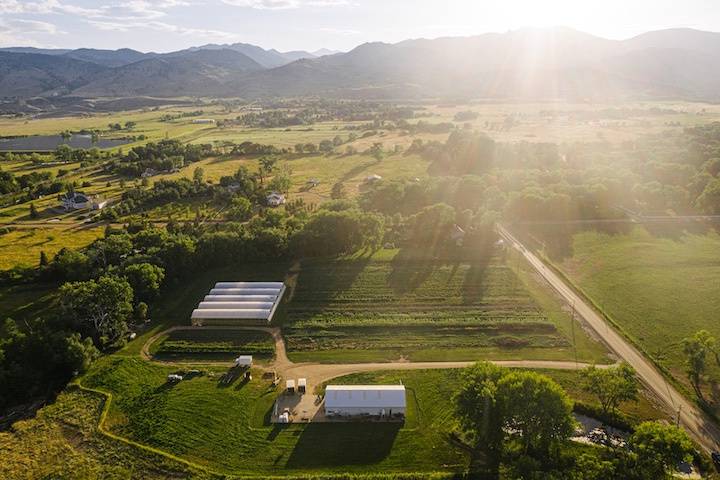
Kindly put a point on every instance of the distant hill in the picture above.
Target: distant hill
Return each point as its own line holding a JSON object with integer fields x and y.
{"x": 324, "y": 51}
{"x": 30, "y": 74}
{"x": 528, "y": 63}
{"x": 42, "y": 51}
{"x": 557, "y": 63}
{"x": 201, "y": 72}
{"x": 267, "y": 58}
{"x": 295, "y": 55}
{"x": 108, "y": 58}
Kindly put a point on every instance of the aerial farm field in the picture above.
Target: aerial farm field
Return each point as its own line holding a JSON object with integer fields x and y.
{"x": 223, "y": 428}
{"x": 659, "y": 284}
{"x": 389, "y": 305}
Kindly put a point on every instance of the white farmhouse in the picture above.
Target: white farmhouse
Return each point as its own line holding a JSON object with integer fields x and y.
{"x": 353, "y": 400}
{"x": 79, "y": 201}
{"x": 275, "y": 199}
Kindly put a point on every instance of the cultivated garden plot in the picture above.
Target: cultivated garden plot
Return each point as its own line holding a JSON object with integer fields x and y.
{"x": 216, "y": 344}
{"x": 388, "y": 307}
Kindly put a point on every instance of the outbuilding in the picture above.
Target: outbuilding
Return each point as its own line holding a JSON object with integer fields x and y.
{"x": 354, "y": 400}
{"x": 244, "y": 361}
{"x": 275, "y": 199}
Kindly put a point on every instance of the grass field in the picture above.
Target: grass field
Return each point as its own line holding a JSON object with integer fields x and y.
{"x": 659, "y": 287}
{"x": 147, "y": 120}
{"x": 225, "y": 427}
{"x": 62, "y": 442}
{"x": 388, "y": 306}
{"x": 22, "y": 247}
{"x": 24, "y": 301}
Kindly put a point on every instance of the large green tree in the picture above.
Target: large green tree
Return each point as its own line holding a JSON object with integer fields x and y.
{"x": 696, "y": 349}
{"x": 495, "y": 403}
{"x": 536, "y": 408}
{"x": 611, "y": 386}
{"x": 659, "y": 448}
{"x": 480, "y": 413}
{"x": 145, "y": 280}
{"x": 100, "y": 308}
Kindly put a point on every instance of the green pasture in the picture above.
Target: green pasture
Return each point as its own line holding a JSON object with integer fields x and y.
{"x": 660, "y": 285}
{"x": 22, "y": 246}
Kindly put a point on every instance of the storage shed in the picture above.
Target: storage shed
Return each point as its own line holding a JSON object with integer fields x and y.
{"x": 351, "y": 400}
{"x": 244, "y": 361}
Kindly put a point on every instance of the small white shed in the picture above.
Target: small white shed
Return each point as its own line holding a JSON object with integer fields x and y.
{"x": 244, "y": 361}
{"x": 350, "y": 400}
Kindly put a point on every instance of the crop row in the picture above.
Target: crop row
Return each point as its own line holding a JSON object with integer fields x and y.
{"x": 181, "y": 346}
{"x": 322, "y": 340}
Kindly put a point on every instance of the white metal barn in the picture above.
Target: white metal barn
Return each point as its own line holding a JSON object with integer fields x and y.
{"x": 351, "y": 400}
{"x": 244, "y": 301}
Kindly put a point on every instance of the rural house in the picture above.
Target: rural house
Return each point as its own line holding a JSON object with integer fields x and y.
{"x": 275, "y": 199}
{"x": 79, "y": 201}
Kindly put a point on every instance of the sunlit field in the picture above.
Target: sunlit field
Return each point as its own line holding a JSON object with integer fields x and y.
{"x": 659, "y": 284}
{"x": 395, "y": 306}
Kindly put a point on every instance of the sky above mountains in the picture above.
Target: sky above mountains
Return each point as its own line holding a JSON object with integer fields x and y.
{"x": 167, "y": 25}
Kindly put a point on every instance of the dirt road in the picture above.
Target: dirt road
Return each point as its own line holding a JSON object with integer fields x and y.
{"x": 698, "y": 424}
{"x": 319, "y": 373}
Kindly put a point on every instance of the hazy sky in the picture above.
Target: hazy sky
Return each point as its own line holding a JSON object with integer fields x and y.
{"x": 164, "y": 25}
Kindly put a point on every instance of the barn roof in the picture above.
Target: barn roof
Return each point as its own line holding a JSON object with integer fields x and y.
{"x": 347, "y": 396}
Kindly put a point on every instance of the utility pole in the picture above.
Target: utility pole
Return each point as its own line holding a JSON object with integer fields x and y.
{"x": 572, "y": 327}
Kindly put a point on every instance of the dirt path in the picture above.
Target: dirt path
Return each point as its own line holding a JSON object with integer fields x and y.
{"x": 316, "y": 374}
{"x": 320, "y": 372}
{"x": 698, "y": 424}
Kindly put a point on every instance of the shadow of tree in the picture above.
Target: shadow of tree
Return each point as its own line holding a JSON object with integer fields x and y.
{"x": 319, "y": 282}
{"x": 408, "y": 271}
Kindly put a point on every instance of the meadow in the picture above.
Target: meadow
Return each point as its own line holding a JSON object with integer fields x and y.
{"x": 22, "y": 246}
{"x": 659, "y": 284}
{"x": 63, "y": 442}
{"x": 225, "y": 427}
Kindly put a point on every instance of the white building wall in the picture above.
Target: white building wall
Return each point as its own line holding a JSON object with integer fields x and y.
{"x": 354, "y": 411}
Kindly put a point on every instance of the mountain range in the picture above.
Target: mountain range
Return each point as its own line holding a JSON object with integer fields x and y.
{"x": 558, "y": 63}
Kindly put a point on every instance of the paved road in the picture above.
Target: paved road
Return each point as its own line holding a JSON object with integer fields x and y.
{"x": 698, "y": 424}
